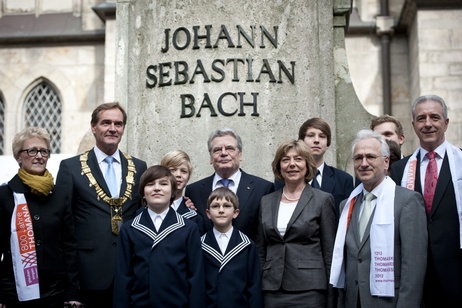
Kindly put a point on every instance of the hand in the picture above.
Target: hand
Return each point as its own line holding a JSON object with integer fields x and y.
{"x": 2, "y": 306}
{"x": 189, "y": 204}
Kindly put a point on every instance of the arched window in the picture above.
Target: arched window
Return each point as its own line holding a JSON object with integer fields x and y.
{"x": 2, "y": 125}
{"x": 43, "y": 108}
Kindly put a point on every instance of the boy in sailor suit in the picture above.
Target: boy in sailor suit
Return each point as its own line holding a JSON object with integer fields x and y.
{"x": 179, "y": 164}
{"x": 232, "y": 270}
{"x": 159, "y": 257}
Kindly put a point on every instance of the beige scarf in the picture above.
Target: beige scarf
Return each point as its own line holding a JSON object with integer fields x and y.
{"x": 39, "y": 184}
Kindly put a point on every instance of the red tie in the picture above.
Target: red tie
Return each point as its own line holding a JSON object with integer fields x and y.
{"x": 431, "y": 178}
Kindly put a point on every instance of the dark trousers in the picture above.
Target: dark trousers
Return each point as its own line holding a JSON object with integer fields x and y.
{"x": 97, "y": 298}
{"x": 49, "y": 302}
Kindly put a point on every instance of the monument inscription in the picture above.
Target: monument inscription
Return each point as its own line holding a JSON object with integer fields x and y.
{"x": 187, "y": 67}
{"x": 180, "y": 72}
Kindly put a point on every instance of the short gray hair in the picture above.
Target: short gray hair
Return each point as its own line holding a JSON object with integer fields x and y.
{"x": 426, "y": 98}
{"x": 369, "y": 134}
{"x": 224, "y": 132}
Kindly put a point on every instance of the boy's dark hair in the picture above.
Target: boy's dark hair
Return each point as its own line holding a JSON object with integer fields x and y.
{"x": 154, "y": 173}
{"x": 223, "y": 193}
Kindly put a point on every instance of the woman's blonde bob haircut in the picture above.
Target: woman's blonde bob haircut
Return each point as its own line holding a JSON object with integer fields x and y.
{"x": 303, "y": 150}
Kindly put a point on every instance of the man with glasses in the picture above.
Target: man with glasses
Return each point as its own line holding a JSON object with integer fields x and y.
{"x": 380, "y": 248}
{"x": 225, "y": 149}
{"x": 103, "y": 187}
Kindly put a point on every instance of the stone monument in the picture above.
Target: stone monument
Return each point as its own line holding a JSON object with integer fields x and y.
{"x": 185, "y": 68}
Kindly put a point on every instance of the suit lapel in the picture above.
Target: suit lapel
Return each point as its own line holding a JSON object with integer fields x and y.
{"x": 328, "y": 180}
{"x": 274, "y": 206}
{"x": 124, "y": 166}
{"x": 172, "y": 222}
{"x": 444, "y": 179}
{"x": 354, "y": 223}
{"x": 244, "y": 190}
{"x": 96, "y": 171}
{"x": 305, "y": 197}
{"x": 238, "y": 242}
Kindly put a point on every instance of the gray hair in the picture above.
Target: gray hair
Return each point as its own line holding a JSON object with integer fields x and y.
{"x": 27, "y": 133}
{"x": 224, "y": 132}
{"x": 369, "y": 134}
{"x": 426, "y": 98}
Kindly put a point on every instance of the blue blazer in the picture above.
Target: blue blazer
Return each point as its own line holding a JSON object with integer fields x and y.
{"x": 234, "y": 279}
{"x": 250, "y": 191}
{"x": 159, "y": 269}
{"x": 192, "y": 215}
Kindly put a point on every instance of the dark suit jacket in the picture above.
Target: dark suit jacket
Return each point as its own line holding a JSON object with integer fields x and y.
{"x": 96, "y": 243}
{"x": 164, "y": 269}
{"x": 334, "y": 181}
{"x": 445, "y": 255}
{"x": 192, "y": 215}
{"x": 410, "y": 247}
{"x": 234, "y": 279}
{"x": 301, "y": 260}
{"x": 250, "y": 191}
{"x": 54, "y": 242}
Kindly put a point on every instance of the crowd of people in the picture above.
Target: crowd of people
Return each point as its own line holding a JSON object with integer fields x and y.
{"x": 111, "y": 232}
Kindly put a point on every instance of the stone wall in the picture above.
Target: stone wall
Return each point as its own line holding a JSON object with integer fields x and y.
{"x": 286, "y": 76}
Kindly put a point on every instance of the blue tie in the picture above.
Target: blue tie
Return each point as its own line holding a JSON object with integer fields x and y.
{"x": 315, "y": 182}
{"x": 111, "y": 177}
{"x": 225, "y": 182}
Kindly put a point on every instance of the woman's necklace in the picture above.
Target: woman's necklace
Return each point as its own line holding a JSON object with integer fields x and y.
{"x": 287, "y": 198}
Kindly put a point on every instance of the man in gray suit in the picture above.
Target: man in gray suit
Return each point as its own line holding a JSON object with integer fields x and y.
{"x": 380, "y": 248}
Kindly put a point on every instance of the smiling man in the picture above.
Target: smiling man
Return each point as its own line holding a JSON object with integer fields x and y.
{"x": 225, "y": 149}
{"x": 102, "y": 185}
{"x": 380, "y": 248}
{"x": 434, "y": 171}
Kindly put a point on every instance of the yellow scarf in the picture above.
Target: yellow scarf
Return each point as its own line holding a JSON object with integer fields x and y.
{"x": 39, "y": 184}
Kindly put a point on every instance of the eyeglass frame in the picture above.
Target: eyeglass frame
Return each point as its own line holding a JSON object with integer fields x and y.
{"x": 43, "y": 152}
{"x": 370, "y": 158}
{"x": 226, "y": 206}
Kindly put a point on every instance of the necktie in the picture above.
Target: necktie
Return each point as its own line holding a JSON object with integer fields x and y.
{"x": 222, "y": 243}
{"x": 225, "y": 182}
{"x": 111, "y": 177}
{"x": 157, "y": 222}
{"x": 431, "y": 178}
{"x": 315, "y": 182}
{"x": 366, "y": 214}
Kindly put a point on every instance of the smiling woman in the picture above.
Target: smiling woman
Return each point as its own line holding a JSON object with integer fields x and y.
{"x": 296, "y": 233}
{"x": 37, "y": 254}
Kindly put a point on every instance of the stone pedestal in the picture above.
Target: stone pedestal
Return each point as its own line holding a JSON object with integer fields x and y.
{"x": 185, "y": 68}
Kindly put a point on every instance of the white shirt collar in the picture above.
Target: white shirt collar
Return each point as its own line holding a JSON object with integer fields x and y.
{"x": 440, "y": 150}
{"x": 100, "y": 155}
{"x": 176, "y": 203}
{"x": 236, "y": 177}
{"x": 228, "y": 233}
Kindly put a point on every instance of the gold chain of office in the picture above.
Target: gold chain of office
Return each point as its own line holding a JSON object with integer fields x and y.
{"x": 114, "y": 203}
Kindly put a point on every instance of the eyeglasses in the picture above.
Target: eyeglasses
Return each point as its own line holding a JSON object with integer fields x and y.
{"x": 33, "y": 152}
{"x": 226, "y": 207}
{"x": 358, "y": 159}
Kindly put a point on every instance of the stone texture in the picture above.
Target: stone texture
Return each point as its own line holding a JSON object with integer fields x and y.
{"x": 305, "y": 35}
